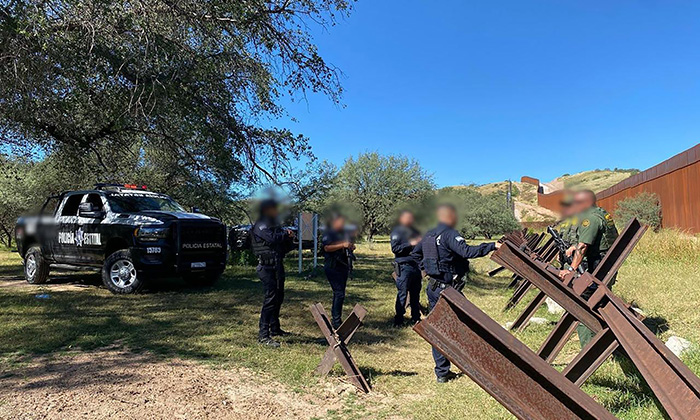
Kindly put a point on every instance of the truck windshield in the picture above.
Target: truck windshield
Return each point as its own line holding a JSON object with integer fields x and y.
{"x": 134, "y": 203}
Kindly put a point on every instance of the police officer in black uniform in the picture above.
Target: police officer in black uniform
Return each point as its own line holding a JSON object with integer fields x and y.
{"x": 270, "y": 243}
{"x": 337, "y": 250}
{"x": 408, "y": 276}
{"x": 444, "y": 256}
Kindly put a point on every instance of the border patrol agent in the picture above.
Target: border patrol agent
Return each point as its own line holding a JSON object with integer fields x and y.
{"x": 596, "y": 234}
{"x": 444, "y": 255}
{"x": 270, "y": 243}
{"x": 408, "y": 275}
{"x": 337, "y": 251}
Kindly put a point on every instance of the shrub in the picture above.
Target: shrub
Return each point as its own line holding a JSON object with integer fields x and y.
{"x": 644, "y": 206}
{"x": 243, "y": 258}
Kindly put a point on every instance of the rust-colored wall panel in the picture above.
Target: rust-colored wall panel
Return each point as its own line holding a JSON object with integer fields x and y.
{"x": 676, "y": 182}
{"x": 530, "y": 180}
{"x": 551, "y": 201}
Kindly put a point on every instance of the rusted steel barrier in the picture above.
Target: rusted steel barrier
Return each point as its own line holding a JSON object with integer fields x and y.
{"x": 337, "y": 342}
{"x": 605, "y": 272}
{"x": 548, "y": 255}
{"x": 545, "y": 278}
{"x": 503, "y": 366}
{"x": 519, "y": 238}
{"x": 673, "y": 384}
{"x": 615, "y": 324}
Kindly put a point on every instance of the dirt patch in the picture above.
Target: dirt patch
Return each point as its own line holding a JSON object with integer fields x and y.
{"x": 115, "y": 383}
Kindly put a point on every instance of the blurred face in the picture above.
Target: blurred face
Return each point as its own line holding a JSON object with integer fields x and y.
{"x": 338, "y": 224}
{"x": 567, "y": 210}
{"x": 582, "y": 201}
{"x": 447, "y": 216}
{"x": 406, "y": 218}
{"x": 271, "y": 212}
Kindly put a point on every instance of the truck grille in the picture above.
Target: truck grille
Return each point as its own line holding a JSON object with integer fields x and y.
{"x": 202, "y": 238}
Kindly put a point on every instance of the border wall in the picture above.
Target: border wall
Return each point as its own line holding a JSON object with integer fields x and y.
{"x": 675, "y": 181}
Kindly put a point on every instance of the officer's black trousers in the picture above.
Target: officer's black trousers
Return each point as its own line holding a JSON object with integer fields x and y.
{"x": 408, "y": 283}
{"x": 272, "y": 278}
{"x": 442, "y": 365}
{"x": 338, "y": 279}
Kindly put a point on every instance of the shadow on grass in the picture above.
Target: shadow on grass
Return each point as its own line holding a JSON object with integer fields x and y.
{"x": 11, "y": 272}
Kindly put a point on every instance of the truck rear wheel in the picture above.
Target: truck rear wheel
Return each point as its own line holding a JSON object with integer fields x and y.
{"x": 36, "y": 269}
{"x": 119, "y": 273}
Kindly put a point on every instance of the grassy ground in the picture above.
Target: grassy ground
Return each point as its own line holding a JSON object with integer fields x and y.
{"x": 218, "y": 326}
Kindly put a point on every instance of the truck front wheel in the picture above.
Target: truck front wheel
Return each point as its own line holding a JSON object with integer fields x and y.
{"x": 36, "y": 269}
{"x": 119, "y": 273}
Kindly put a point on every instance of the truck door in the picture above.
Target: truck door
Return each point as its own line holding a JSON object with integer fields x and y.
{"x": 91, "y": 240}
{"x": 65, "y": 245}
{"x": 46, "y": 230}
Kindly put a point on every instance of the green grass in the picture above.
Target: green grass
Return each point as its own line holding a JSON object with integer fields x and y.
{"x": 218, "y": 326}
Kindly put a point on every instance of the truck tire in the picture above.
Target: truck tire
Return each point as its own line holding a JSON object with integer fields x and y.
{"x": 36, "y": 269}
{"x": 203, "y": 279}
{"x": 119, "y": 273}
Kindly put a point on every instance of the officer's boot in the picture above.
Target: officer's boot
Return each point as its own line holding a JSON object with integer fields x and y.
{"x": 265, "y": 338}
{"x": 269, "y": 342}
{"x": 279, "y": 332}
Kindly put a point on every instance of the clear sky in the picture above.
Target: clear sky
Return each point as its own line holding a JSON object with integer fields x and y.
{"x": 482, "y": 91}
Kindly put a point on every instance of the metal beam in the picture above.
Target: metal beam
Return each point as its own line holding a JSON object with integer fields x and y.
{"x": 537, "y": 273}
{"x": 605, "y": 272}
{"x": 340, "y": 350}
{"x": 345, "y": 332}
{"x": 503, "y": 366}
{"x": 673, "y": 384}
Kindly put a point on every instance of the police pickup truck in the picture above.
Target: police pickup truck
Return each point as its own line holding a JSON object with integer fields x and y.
{"x": 130, "y": 233}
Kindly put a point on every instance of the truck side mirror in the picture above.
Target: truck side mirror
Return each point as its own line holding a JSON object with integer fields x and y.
{"x": 88, "y": 210}
{"x": 195, "y": 210}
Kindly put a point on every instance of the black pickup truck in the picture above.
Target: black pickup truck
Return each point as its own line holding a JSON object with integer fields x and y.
{"x": 130, "y": 233}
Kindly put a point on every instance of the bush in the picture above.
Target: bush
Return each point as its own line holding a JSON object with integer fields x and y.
{"x": 480, "y": 215}
{"x": 644, "y": 206}
{"x": 243, "y": 258}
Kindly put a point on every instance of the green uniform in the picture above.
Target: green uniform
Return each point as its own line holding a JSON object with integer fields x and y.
{"x": 597, "y": 230}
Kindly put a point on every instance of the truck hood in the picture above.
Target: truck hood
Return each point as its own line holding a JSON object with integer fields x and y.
{"x": 155, "y": 216}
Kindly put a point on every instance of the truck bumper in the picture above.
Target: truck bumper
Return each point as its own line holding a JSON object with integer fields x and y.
{"x": 163, "y": 262}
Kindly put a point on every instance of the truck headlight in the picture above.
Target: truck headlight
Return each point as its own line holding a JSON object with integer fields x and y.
{"x": 151, "y": 234}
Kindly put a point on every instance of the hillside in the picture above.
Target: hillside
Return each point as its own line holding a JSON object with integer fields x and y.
{"x": 525, "y": 195}
{"x": 597, "y": 180}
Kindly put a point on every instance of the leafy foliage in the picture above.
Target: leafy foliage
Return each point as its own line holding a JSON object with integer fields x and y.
{"x": 177, "y": 93}
{"x": 644, "y": 206}
{"x": 374, "y": 187}
{"x": 480, "y": 215}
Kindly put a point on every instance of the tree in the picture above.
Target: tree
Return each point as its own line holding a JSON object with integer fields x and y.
{"x": 376, "y": 186}
{"x": 491, "y": 216}
{"x": 644, "y": 206}
{"x": 182, "y": 87}
{"x": 479, "y": 214}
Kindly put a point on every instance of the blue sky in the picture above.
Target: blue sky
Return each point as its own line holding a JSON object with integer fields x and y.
{"x": 490, "y": 90}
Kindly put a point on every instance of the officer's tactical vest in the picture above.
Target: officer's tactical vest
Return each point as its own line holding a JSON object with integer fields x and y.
{"x": 431, "y": 256}
{"x": 260, "y": 248}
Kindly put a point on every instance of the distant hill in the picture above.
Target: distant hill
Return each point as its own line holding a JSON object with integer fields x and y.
{"x": 597, "y": 180}
{"x": 525, "y": 195}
